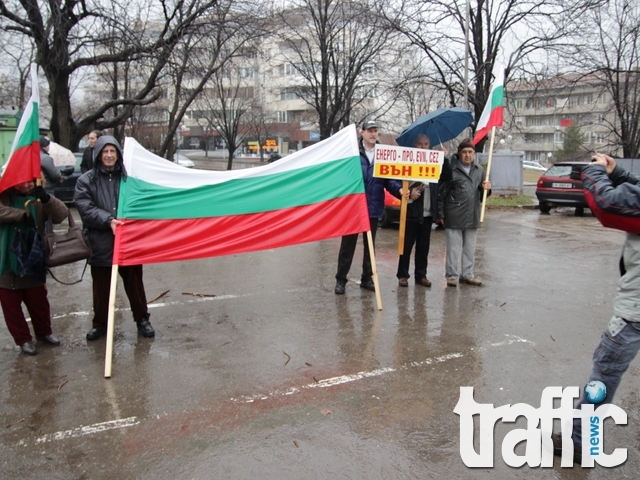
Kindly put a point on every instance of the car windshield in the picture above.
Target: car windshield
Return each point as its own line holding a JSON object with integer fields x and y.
{"x": 559, "y": 171}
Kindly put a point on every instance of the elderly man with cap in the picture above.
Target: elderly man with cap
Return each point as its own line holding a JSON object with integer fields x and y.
{"x": 96, "y": 198}
{"x": 374, "y": 190}
{"x": 459, "y": 199}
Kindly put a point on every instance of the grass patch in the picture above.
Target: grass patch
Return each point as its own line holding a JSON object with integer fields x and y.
{"x": 509, "y": 200}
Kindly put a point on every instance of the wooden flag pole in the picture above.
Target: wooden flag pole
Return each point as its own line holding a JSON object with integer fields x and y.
{"x": 484, "y": 192}
{"x": 110, "y": 322}
{"x": 403, "y": 217}
{"x": 374, "y": 270}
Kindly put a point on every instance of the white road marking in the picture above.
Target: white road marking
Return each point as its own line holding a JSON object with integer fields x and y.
{"x": 327, "y": 382}
{"x": 331, "y": 382}
{"x": 86, "y": 430}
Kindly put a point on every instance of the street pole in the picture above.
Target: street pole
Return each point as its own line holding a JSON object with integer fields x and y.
{"x": 466, "y": 59}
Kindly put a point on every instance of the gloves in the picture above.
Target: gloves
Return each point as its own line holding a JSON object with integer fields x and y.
{"x": 67, "y": 171}
{"x": 41, "y": 194}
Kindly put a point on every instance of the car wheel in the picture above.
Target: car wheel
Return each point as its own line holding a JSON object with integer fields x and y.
{"x": 384, "y": 221}
{"x": 579, "y": 212}
{"x": 544, "y": 208}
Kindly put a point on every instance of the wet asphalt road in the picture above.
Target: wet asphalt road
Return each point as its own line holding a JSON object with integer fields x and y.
{"x": 277, "y": 377}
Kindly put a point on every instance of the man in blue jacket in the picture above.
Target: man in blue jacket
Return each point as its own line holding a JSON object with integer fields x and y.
{"x": 613, "y": 195}
{"x": 374, "y": 190}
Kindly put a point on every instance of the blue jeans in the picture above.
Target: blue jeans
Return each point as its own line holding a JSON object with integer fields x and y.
{"x": 610, "y": 360}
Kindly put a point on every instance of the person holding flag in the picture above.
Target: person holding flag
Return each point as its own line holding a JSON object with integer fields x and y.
{"x": 96, "y": 197}
{"x": 23, "y": 209}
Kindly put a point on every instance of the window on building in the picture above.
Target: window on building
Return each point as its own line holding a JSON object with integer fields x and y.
{"x": 284, "y": 116}
{"x": 288, "y": 94}
{"x": 558, "y": 137}
{"x": 246, "y": 72}
{"x": 587, "y": 99}
{"x": 600, "y": 117}
{"x": 519, "y": 119}
{"x": 519, "y": 103}
{"x": 368, "y": 70}
{"x": 288, "y": 69}
{"x": 599, "y": 138}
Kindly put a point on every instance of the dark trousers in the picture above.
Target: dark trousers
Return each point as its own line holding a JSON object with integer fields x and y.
{"x": 420, "y": 234}
{"x": 133, "y": 286}
{"x": 348, "y": 249}
{"x": 35, "y": 299}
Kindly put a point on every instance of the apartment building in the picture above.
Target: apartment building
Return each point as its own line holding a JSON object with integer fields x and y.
{"x": 537, "y": 115}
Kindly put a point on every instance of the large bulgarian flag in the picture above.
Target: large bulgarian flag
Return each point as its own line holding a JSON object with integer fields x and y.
{"x": 493, "y": 109}
{"x": 23, "y": 164}
{"x": 173, "y": 213}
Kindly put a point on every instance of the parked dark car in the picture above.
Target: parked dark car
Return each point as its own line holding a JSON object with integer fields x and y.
{"x": 391, "y": 212}
{"x": 64, "y": 191}
{"x": 561, "y": 186}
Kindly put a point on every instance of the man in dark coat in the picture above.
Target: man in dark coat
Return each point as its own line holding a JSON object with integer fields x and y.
{"x": 374, "y": 191}
{"x": 96, "y": 198}
{"x": 421, "y": 210}
{"x": 51, "y": 174}
{"x": 459, "y": 200}
{"x": 87, "y": 156}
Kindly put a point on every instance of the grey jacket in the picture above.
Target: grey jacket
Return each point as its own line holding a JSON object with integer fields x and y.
{"x": 460, "y": 194}
{"x": 96, "y": 198}
{"x": 51, "y": 174}
{"x": 618, "y": 196}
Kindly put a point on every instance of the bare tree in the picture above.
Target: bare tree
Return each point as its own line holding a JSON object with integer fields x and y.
{"x": 332, "y": 48}
{"x": 515, "y": 33}
{"x": 75, "y": 35}
{"x": 226, "y": 104}
{"x": 607, "y": 50}
{"x": 17, "y": 56}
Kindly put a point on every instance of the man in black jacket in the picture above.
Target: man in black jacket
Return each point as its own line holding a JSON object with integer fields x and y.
{"x": 87, "y": 156}
{"x": 421, "y": 210}
{"x": 96, "y": 198}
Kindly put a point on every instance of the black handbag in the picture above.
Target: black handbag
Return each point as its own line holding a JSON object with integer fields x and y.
{"x": 67, "y": 247}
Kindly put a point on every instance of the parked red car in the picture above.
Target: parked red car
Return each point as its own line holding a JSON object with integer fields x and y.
{"x": 561, "y": 186}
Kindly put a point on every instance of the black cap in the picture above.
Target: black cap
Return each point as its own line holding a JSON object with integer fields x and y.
{"x": 44, "y": 141}
{"x": 369, "y": 124}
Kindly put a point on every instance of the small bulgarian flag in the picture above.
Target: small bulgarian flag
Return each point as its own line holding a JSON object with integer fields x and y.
{"x": 493, "y": 110}
{"x": 172, "y": 213}
{"x": 23, "y": 164}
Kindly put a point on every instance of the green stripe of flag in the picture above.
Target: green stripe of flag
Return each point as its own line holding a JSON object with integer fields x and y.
{"x": 31, "y": 130}
{"x": 497, "y": 97}
{"x": 304, "y": 186}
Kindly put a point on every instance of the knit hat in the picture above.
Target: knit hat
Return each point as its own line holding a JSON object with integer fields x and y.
{"x": 466, "y": 143}
{"x": 44, "y": 141}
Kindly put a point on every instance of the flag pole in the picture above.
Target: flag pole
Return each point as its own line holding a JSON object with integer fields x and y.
{"x": 110, "y": 322}
{"x": 374, "y": 270}
{"x": 403, "y": 217}
{"x": 484, "y": 192}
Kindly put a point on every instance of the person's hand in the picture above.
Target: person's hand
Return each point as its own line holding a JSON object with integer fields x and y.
{"x": 486, "y": 185}
{"x": 415, "y": 193}
{"x": 606, "y": 161}
{"x": 114, "y": 223}
{"x": 440, "y": 221}
{"x": 40, "y": 193}
{"x": 67, "y": 171}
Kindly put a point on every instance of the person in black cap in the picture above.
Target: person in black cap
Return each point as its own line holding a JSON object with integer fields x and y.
{"x": 374, "y": 190}
{"x": 459, "y": 199}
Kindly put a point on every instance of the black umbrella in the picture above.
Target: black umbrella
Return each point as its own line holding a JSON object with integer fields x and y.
{"x": 440, "y": 126}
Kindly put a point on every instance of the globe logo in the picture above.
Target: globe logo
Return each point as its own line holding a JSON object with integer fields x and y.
{"x": 595, "y": 391}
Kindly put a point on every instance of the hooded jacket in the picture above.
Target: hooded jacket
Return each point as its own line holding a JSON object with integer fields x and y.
{"x": 96, "y": 198}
